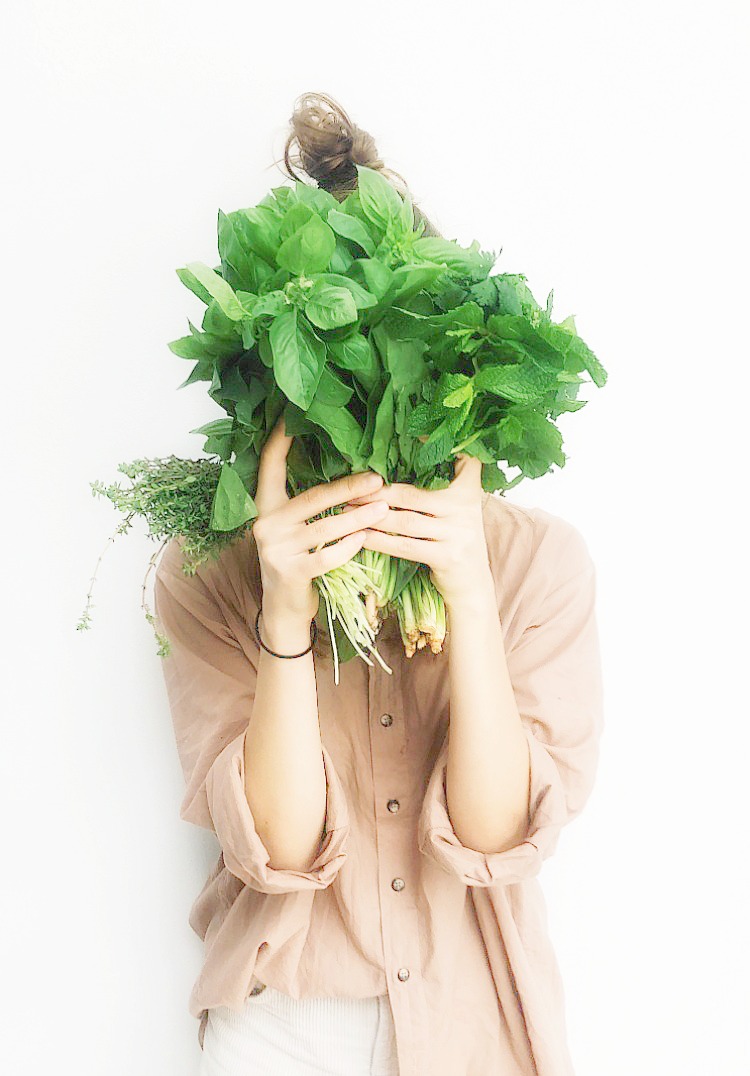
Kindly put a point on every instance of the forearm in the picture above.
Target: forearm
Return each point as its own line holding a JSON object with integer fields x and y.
{"x": 487, "y": 776}
{"x": 285, "y": 780}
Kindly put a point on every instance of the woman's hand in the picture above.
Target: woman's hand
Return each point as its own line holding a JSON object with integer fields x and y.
{"x": 285, "y": 539}
{"x": 442, "y": 528}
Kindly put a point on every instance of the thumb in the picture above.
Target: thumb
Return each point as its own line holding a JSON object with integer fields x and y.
{"x": 271, "y": 486}
{"x": 467, "y": 469}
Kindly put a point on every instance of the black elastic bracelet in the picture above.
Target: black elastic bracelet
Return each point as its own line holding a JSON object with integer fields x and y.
{"x": 313, "y": 633}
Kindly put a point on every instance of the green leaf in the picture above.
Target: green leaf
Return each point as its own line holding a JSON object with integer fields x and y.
{"x": 377, "y": 277}
{"x": 330, "y": 307}
{"x": 494, "y": 478}
{"x": 220, "y": 327}
{"x": 232, "y": 505}
{"x": 519, "y": 382}
{"x": 577, "y": 355}
{"x": 298, "y": 357}
{"x": 356, "y": 354}
{"x": 190, "y": 281}
{"x": 383, "y": 432}
{"x": 403, "y": 359}
{"x": 218, "y": 437}
{"x": 245, "y": 396}
{"x": 361, "y": 296}
{"x": 320, "y": 200}
{"x": 331, "y": 390}
{"x": 531, "y": 442}
{"x": 514, "y": 297}
{"x": 351, "y": 228}
{"x": 436, "y": 448}
{"x": 380, "y": 201}
{"x": 271, "y": 304}
{"x": 240, "y": 264}
{"x": 406, "y": 216}
{"x": 259, "y": 228}
{"x": 342, "y": 427}
{"x": 407, "y": 280}
{"x": 296, "y": 217}
{"x": 309, "y": 249}
{"x": 460, "y": 395}
{"x": 202, "y": 371}
{"x": 468, "y": 261}
{"x": 218, "y": 289}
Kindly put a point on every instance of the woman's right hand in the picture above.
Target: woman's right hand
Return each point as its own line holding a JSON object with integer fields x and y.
{"x": 284, "y": 538}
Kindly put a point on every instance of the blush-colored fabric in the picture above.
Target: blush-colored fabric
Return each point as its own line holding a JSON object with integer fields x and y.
{"x": 461, "y": 948}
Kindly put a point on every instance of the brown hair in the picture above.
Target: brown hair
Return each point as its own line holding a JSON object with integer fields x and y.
{"x": 330, "y": 145}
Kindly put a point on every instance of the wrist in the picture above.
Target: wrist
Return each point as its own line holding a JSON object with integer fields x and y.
{"x": 284, "y": 630}
{"x": 473, "y": 596}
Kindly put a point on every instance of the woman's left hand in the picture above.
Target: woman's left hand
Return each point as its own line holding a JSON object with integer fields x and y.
{"x": 442, "y": 528}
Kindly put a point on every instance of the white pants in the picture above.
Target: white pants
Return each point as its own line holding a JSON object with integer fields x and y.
{"x": 277, "y": 1035}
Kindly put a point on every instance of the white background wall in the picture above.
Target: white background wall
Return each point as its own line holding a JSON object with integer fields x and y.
{"x": 601, "y": 146}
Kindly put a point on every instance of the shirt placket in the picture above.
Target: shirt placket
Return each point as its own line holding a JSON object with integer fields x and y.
{"x": 395, "y": 822}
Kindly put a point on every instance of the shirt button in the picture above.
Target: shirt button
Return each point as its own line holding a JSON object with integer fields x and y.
{"x": 393, "y": 806}
{"x": 398, "y": 884}
{"x": 403, "y": 974}
{"x": 386, "y": 719}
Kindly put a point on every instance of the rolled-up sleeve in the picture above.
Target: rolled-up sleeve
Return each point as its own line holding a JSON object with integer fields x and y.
{"x": 210, "y": 678}
{"x": 555, "y": 670}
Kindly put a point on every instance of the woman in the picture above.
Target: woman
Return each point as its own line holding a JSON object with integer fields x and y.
{"x": 375, "y": 907}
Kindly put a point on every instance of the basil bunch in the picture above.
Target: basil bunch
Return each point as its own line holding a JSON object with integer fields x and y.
{"x": 372, "y": 335}
{"x": 386, "y": 349}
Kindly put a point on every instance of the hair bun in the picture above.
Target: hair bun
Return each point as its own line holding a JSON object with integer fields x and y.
{"x": 330, "y": 145}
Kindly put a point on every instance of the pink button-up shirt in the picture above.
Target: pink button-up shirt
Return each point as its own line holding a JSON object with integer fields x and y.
{"x": 394, "y": 902}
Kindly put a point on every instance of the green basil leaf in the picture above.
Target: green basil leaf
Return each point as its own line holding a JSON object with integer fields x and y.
{"x": 259, "y": 228}
{"x": 294, "y": 219}
{"x": 361, "y": 296}
{"x": 380, "y": 201}
{"x": 232, "y": 505}
{"x": 468, "y": 261}
{"x": 351, "y": 228}
{"x": 240, "y": 265}
{"x": 383, "y": 433}
{"x": 190, "y": 281}
{"x": 218, "y": 289}
{"x": 309, "y": 249}
{"x": 356, "y": 354}
{"x": 298, "y": 357}
{"x": 331, "y": 390}
{"x": 342, "y": 427}
{"x": 330, "y": 307}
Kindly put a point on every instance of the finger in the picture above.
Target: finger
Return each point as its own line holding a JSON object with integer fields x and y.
{"x": 416, "y": 549}
{"x": 271, "y": 485}
{"x": 406, "y": 495}
{"x": 333, "y": 556}
{"x": 410, "y": 524}
{"x": 330, "y": 528}
{"x": 329, "y": 494}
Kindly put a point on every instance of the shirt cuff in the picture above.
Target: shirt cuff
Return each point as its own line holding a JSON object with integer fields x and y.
{"x": 244, "y": 853}
{"x": 547, "y": 810}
